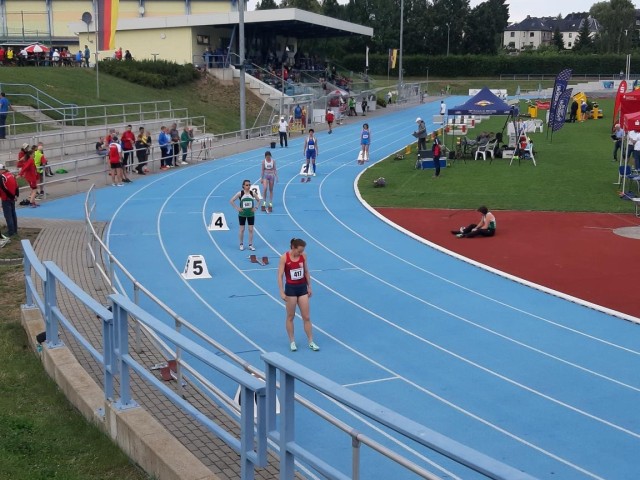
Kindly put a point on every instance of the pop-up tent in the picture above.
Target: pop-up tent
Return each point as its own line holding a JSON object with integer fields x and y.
{"x": 483, "y": 103}
{"x": 629, "y": 103}
{"x": 630, "y": 122}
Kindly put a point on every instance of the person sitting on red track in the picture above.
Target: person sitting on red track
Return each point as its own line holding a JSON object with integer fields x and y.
{"x": 486, "y": 227}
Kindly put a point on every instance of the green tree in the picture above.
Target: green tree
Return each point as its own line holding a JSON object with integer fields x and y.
{"x": 557, "y": 41}
{"x": 449, "y": 24}
{"x": 383, "y": 16}
{"x": 584, "y": 42}
{"x": 308, "y": 5}
{"x": 485, "y": 27}
{"x": 617, "y": 22}
{"x": 331, "y": 8}
{"x": 266, "y": 5}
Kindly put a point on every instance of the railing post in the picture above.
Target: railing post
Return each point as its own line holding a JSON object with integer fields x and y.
{"x": 246, "y": 433}
{"x": 121, "y": 344}
{"x": 355, "y": 458}
{"x": 178, "y": 324}
{"x": 50, "y": 302}
{"x": 287, "y": 425}
{"x": 27, "y": 273}
{"x": 136, "y": 324}
{"x": 110, "y": 366}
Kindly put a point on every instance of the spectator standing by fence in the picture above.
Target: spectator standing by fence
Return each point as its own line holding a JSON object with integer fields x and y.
{"x": 87, "y": 56}
{"x": 30, "y": 174}
{"x": 127, "y": 141}
{"x": 283, "y": 130}
{"x": 143, "y": 144}
{"x": 186, "y": 141}
{"x": 174, "y": 135}
{"x": 5, "y": 106}
{"x": 9, "y": 192}
{"x": 164, "y": 140}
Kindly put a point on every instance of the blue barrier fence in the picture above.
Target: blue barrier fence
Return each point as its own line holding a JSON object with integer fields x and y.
{"x": 257, "y": 428}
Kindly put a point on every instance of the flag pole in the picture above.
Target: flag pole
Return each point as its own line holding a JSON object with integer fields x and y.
{"x": 97, "y": 7}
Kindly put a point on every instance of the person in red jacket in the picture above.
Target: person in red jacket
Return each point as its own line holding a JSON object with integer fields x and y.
{"x": 9, "y": 191}
{"x": 30, "y": 174}
{"x": 330, "y": 117}
{"x": 127, "y": 141}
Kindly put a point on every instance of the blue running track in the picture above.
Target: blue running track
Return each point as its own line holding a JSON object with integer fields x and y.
{"x": 543, "y": 384}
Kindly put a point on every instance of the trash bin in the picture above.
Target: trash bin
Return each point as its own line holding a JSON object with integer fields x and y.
{"x": 533, "y": 111}
{"x": 273, "y": 145}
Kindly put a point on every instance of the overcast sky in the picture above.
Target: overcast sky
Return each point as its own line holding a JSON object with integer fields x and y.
{"x": 519, "y": 9}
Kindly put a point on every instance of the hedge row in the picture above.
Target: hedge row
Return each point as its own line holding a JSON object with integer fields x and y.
{"x": 149, "y": 73}
{"x": 483, "y": 66}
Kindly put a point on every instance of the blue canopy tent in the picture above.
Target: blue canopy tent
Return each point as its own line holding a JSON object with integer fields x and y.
{"x": 483, "y": 103}
{"x": 486, "y": 102}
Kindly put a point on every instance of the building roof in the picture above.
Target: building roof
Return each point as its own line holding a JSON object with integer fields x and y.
{"x": 291, "y": 22}
{"x": 533, "y": 24}
{"x": 571, "y": 23}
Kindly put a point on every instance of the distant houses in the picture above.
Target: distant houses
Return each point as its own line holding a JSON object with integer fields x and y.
{"x": 533, "y": 32}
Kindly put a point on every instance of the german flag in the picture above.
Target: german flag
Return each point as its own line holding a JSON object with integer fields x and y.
{"x": 107, "y": 22}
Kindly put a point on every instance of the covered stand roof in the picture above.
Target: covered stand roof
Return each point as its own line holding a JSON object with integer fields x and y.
{"x": 288, "y": 22}
{"x": 483, "y": 103}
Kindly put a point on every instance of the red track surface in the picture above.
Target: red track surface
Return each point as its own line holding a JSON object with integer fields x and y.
{"x": 574, "y": 253}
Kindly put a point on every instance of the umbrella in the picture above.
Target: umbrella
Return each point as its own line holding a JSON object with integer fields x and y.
{"x": 36, "y": 48}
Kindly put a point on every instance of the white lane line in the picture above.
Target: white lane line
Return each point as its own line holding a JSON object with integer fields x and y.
{"x": 368, "y": 382}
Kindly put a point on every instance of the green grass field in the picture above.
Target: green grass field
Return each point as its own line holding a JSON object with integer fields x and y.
{"x": 41, "y": 435}
{"x": 575, "y": 172}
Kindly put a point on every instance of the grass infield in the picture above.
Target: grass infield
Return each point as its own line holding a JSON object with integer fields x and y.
{"x": 575, "y": 172}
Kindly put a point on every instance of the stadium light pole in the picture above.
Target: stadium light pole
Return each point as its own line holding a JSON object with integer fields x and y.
{"x": 400, "y": 53}
{"x": 243, "y": 103}
{"x": 448, "y": 31}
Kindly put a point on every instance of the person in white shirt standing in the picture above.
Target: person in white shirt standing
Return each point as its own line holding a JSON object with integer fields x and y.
{"x": 283, "y": 130}
{"x": 443, "y": 111}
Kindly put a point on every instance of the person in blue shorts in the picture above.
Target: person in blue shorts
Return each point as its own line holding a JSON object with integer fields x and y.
{"x": 365, "y": 141}
{"x": 311, "y": 152}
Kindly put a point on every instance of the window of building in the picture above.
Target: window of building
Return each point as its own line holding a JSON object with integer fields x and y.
{"x": 570, "y": 35}
{"x": 202, "y": 39}
{"x": 513, "y": 34}
{"x": 531, "y": 34}
{"x": 569, "y": 44}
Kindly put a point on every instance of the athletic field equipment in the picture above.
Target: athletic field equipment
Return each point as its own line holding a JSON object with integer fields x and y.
{"x": 218, "y": 222}
{"x": 254, "y": 259}
{"x": 196, "y": 267}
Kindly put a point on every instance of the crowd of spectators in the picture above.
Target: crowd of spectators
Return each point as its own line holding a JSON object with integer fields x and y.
{"x": 52, "y": 56}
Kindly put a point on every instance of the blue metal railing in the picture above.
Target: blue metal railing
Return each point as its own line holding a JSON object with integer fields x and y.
{"x": 284, "y": 433}
{"x": 117, "y": 363}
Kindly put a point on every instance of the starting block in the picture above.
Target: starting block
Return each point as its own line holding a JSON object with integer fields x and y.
{"x": 218, "y": 222}
{"x": 196, "y": 267}
{"x": 254, "y": 259}
{"x": 168, "y": 370}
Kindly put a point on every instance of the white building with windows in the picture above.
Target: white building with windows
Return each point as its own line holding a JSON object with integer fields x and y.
{"x": 533, "y": 32}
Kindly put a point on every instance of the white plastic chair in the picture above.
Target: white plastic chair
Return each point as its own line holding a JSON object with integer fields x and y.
{"x": 538, "y": 125}
{"x": 485, "y": 149}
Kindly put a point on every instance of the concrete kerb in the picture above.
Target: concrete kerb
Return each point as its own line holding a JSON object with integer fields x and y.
{"x": 135, "y": 431}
